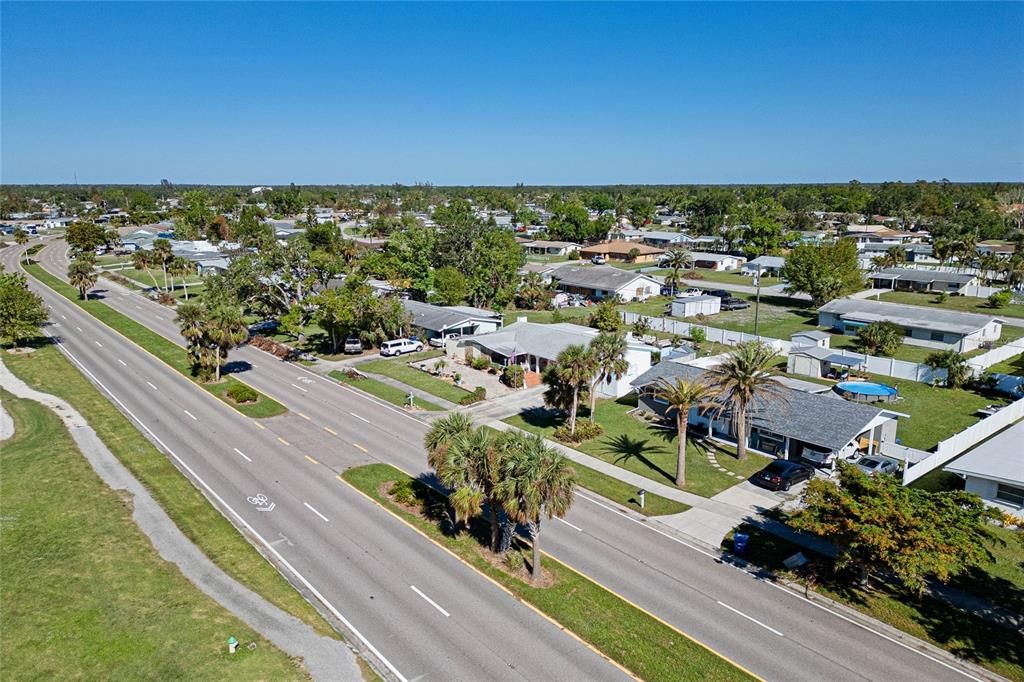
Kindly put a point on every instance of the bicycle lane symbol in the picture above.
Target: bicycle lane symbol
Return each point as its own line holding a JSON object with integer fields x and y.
{"x": 261, "y": 502}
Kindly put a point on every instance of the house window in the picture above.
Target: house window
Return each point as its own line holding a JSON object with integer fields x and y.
{"x": 937, "y": 336}
{"x": 1010, "y": 494}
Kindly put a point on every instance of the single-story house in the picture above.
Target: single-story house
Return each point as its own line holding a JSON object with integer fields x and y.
{"x": 139, "y": 240}
{"x": 58, "y": 223}
{"x": 919, "y": 254}
{"x": 683, "y": 306}
{"x": 626, "y": 234}
{"x": 928, "y": 327}
{"x": 439, "y": 321}
{"x": 786, "y": 426}
{"x": 661, "y": 238}
{"x": 535, "y": 346}
{"x": 716, "y": 261}
{"x": 542, "y": 247}
{"x": 605, "y": 281}
{"x": 914, "y": 279}
{"x": 619, "y": 250}
{"x": 994, "y": 471}
{"x": 764, "y": 265}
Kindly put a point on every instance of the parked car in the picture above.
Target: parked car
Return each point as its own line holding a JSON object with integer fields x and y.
{"x": 819, "y": 458}
{"x": 353, "y": 345}
{"x": 783, "y": 474}
{"x": 689, "y": 293}
{"x": 720, "y": 293}
{"x": 400, "y": 347}
{"x": 734, "y": 304}
{"x": 872, "y": 465}
{"x": 264, "y": 326}
{"x": 598, "y": 260}
{"x": 439, "y": 341}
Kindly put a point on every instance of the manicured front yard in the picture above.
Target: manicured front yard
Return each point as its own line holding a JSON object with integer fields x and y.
{"x": 399, "y": 370}
{"x": 85, "y": 594}
{"x": 966, "y": 304}
{"x": 642, "y": 644}
{"x": 648, "y": 450}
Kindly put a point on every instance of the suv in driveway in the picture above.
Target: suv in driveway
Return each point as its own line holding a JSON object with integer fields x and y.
{"x": 439, "y": 341}
{"x": 353, "y": 345}
{"x": 400, "y": 347}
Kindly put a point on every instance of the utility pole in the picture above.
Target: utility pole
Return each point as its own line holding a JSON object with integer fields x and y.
{"x": 757, "y": 302}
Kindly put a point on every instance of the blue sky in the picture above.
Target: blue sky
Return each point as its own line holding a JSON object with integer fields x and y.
{"x": 499, "y": 94}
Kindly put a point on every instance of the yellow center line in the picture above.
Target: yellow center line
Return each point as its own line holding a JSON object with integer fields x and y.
{"x": 311, "y": 459}
{"x": 330, "y": 431}
{"x": 259, "y": 425}
{"x": 360, "y": 447}
{"x": 283, "y": 440}
{"x": 340, "y": 478}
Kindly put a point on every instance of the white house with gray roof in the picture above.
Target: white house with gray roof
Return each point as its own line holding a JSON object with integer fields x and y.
{"x": 764, "y": 265}
{"x": 604, "y": 281}
{"x": 994, "y": 471}
{"x": 436, "y": 320}
{"x": 929, "y": 327}
{"x": 914, "y": 279}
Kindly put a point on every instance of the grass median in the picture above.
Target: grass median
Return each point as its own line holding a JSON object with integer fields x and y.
{"x": 47, "y": 370}
{"x": 85, "y": 593}
{"x": 639, "y": 642}
{"x": 164, "y": 349}
{"x": 386, "y": 392}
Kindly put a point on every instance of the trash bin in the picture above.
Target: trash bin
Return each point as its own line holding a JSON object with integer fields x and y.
{"x": 739, "y": 543}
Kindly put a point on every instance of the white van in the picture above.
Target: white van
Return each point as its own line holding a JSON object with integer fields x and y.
{"x": 400, "y": 347}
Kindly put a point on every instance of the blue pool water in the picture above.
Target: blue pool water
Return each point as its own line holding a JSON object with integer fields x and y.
{"x": 866, "y": 388}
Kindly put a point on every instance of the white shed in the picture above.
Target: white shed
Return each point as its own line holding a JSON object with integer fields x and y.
{"x": 696, "y": 305}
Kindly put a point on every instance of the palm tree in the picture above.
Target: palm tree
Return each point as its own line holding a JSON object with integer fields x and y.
{"x": 574, "y": 366}
{"x": 681, "y": 395}
{"x": 536, "y": 481}
{"x": 162, "y": 255}
{"x": 441, "y": 434}
{"x": 746, "y": 375}
{"x": 143, "y": 260}
{"x": 992, "y": 266}
{"x": 608, "y": 351}
{"x": 191, "y": 321}
{"x": 180, "y": 267}
{"x": 20, "y": 238}
{"x": 943, "y": 250}
{"x": 225, "y": 329}
{"x": 82, "y": 277}
{"x": 676, "y": 260}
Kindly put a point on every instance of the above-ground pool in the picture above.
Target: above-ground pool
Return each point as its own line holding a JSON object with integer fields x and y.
{"x": 865, "y": 391}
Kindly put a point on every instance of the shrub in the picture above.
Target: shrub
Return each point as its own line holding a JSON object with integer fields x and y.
{"x": 556, "y": 316}
{"x": 585, "y": 430}
{"x": 404, "y": 492}
{"x": 480, "y": 362}
{"x": 165, "y": 298}
{"x": 883, "y": 337}
{"x": 513, "y": 376}
{"x": 479, "y": 393}
{"x": 1000, "y": 299}
{"x": 941, "y": 297}
{"x": 240, "y": 393}
{"x": 514, "y": 561}
{"x": 698, "y": 335}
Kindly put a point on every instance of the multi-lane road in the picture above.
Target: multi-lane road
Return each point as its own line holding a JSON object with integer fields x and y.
{"x": 426, "y": 613}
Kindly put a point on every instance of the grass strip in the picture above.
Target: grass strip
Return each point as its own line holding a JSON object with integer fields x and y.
{"x": 386, "y": 392}
{"x": 624, "y": 493}
{"x": 649, "y": 648}
{"x": 85, "y": 593}
{"x": 399, "y": 370}
{"x": 162, "y": 348}
{"x": 46, "y": 369}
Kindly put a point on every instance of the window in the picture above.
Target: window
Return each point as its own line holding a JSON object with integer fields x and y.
{"x": 937, "y": 336}
{"x": 1010, "y": 494}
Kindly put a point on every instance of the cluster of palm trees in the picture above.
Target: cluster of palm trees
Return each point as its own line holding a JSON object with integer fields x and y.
{"x": 172, "y": 266}
{"x": 210, "y": 333}
{"x": 579, "y": 370}
{"x": 734, "y": 387}
{"x": 516, "y": 477}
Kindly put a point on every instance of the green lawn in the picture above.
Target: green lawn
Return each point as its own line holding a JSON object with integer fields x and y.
{"x": 399, "y": 370}
{"x": 624, "y": 493}
{"x": 650, "y": 649}
{"x": 47, "y": 370}
{"x": 386, "y": 392}
{"x": 164, "y": 349}
{"x": 995, "y": 647}
{"x": 85, "y": 594}
{"x": 575, "y": 315}
{"x": 967, "y": 304}
{"x": 647, "y": 450}
{"x": 142, "y": 278}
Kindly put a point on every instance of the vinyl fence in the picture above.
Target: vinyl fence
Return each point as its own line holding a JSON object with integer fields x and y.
{"x": 982, "y": 362}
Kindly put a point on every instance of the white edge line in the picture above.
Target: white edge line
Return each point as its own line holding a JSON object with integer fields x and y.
{"x": 750, "y": 618}
{"x": 244, "y": 456}
{"x": 569, "y": 524}
{"x": 270, "y": 548}
{"x": 359, "y": 418}
{"x": 310, "y": 508}
{"x": 430, "y": 601}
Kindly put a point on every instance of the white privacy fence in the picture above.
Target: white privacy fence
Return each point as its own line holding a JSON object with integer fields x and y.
{"x": 890, "y": 367}
{"x": 982, "y": 362}
{"x": 964, "y": 440}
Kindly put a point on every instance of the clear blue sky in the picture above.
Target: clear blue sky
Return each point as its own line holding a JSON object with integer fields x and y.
{"x": 498, "y": 94}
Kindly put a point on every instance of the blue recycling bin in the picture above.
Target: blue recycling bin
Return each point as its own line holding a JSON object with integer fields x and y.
{"x": 739, "y": 543}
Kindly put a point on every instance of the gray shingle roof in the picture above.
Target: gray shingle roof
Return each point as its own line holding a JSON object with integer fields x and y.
{"x": 923, "y": 276}
{"x": 604, "y": 277}
{"x": 1000, "y": 458}
{"x": 907, "y": 315}
{"x": 437, "y": 318}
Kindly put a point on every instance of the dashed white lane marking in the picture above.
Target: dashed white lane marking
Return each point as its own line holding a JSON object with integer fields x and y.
{"x": 122, "y": 362}
{"x": 78, "y": 328}
{"x": 300, "y": 388}
{"x": 191, "y": 415}
{"x": 244, "y": 456}
{"x": 63, "y": 316}
{"x": 360, "y": 447}
{"x": 310, "y": 508}
{"x": 331, "y": 431}
{"x": 569, "y": 524}
{"x": 360, "y": 418}
{"x": 152, "y": 386}
{"x": 750, "y": 618}
{"x": 98, "y": 344}
{"x": 429, "y": 600}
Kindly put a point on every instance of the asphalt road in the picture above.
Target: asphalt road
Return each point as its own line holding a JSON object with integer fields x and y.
{"x": 768, "y": 629}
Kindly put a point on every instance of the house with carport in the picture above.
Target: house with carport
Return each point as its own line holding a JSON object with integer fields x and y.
{"x": 440, "y": 321}
{"x": 623, "y": 252}
{"x": 916, "y": 279}
{"x": 604, "y": 281}
{"x": 716, "y": 261}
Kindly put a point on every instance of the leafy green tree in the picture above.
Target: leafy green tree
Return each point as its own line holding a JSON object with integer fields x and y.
{"x": 746, "y": 376}
{"x": 536, "y": 481}
{"x": 882, "y": 337}
{"x": 82, "y": 276}
{"x": 193, "y": 218}
{"x": 22, "y": 311}
{"x": 825, "y": 271}
{"x": 680, "y": 395}
{"x": 958, "y": 371}
{"x": 492, "y": 271}
{"x": 608, "y": 352}
{"x": 880, "y": 524}
{"x": 450, "y": 286}
{"x": 605, "y": 317}
{"x": 1000, "y": 299}
{"x": 84, "y": 236}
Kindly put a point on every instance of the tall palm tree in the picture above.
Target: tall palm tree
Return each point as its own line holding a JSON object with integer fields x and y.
{"x": 574, "y": 366}
{"x": 143, "y": 260}
{"x": 82, "y": 276}
{"x": 943, "y": 250}
{"x": 681, "y": 395}
{"x": 747, "y": 374}
{"x": 677, "y": 259}
{"x": 162, "y": 256}
{"x": 180, "y": 267}
{"x": 20, "y": 238}
{"x": 441, "y": 434}
{"x": 608, "y": 351}
{"x": 895, "y": 255}
{"x": 536, "y": 481}
{"x": 225, "y": 329}
{"x": 991, "y": 266}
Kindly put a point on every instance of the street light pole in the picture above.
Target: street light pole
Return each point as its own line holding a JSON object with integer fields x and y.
{"x": 757, "y": 303}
